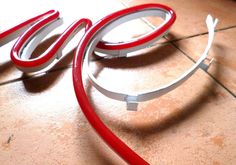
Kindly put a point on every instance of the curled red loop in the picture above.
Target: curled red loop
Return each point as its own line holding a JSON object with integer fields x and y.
{"x": 108, "y": 136}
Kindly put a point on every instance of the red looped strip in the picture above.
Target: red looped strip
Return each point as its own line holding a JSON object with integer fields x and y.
{"x": 44, "y": 19}
{"x": 108, "y": 136}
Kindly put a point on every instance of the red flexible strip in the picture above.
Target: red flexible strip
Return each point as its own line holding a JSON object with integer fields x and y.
{"x": 39, "y": 21}
{"x": 53, "y": 50}
{"x": 27, "y": 23}
{"x": 146, "y": 38}
{"x": 50, "y": 16}
{"x": 111, "y": 139}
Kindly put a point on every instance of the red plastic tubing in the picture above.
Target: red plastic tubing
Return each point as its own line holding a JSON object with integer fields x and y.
{"x": 26, "y": 24}
{"x": 34, "y": 24}
{"x": 108, "y": 136}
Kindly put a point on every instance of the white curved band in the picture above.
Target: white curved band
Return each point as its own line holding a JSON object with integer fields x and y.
{"x": 133, "y": 99}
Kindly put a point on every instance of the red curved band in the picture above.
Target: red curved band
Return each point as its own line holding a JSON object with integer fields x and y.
{"x": 24, "y": 24}
{"x": 111, "y": 139}
{"x": 24, "y": 38}
{"x": 37, "y": 62}
{"x": 50, "y": 16}
{"x": 144, "y": 39}
{"x": 44, "y": 19}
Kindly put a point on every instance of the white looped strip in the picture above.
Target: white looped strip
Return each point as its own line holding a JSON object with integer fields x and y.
{"x": 133, "y": 99}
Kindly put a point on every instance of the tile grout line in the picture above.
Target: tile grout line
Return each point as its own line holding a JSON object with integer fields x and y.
{"x": 187, "y": 37}
{"x": 223, "y": 86}
{"x": 41, "y": 73}
{"x": 123, "y": 3}
{"x": 189, "y": 57}
{"x": 35, "y": 75}
{"x": 200, "y": 34}
{"x": 218, "y": 82}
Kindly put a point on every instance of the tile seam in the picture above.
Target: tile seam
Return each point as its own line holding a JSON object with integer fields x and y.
{"x": 217, "y": 81}
{"x": 149, "y": 24}
{"x": 45, "y": 72}
{"x": 34, "y": 76}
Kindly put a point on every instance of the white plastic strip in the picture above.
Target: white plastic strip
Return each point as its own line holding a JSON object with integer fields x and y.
{"x": 133, "y": 99}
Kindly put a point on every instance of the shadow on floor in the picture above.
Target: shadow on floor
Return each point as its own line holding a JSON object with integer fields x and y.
{"x": 6, "y": 66}
{"x": 195, "y": 105}
{"x": 40, "y": 81}
{"x": 144, "y": 59}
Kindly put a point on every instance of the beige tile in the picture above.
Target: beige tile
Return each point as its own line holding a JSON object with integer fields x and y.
{"x": 191, "y": 15}
{"x": 41, "y": 123}
{"x": 223, "y": 51}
